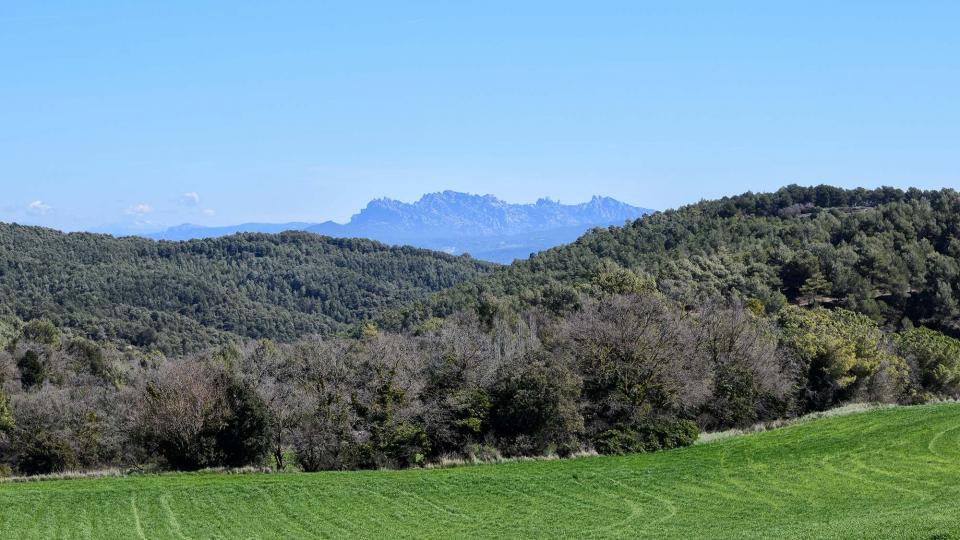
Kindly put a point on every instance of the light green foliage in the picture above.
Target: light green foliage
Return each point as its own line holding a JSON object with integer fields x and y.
{"x": 9, "y": 330}
{"x": 937, "y": 356}
{"x": 891, "y": 472}
{"x": 847, "y": 346}
{"x": 612, "y": 279}
{"x": 6, "y": 417}
{"x": 41, "y": 331}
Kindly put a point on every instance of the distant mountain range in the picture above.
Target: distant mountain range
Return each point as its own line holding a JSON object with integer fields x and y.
{"x": 482, "y": 225}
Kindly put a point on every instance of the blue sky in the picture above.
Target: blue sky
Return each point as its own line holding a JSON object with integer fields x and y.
{"x": 151, "y": 114}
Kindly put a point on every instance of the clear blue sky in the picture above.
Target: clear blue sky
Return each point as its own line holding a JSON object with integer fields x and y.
{"x": 110, "y": 112}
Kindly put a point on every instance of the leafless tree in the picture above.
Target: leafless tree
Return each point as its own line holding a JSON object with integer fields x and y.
{"x": 179, "y": 402}
{"x": 749, "y": 380}
{"x": 634, "y": 359}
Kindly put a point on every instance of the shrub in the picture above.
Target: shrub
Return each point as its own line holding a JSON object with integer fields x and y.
{"x": 91, "y": 357}
{"x": 323, "y": 444}
{"x": 41, "y": 331}
{"x": 401, "y": 445}
{"x": 649, "y": 437}
{"x": 535, "y": 408}
{"x": 244, "y": 437}
{"x": 58, "y": 429}
{"x": 33, "y": 370}
{"x": 43, "y": 452}
{"x": 6, "y": 417}
{"x": 936, "y": 356}
{"x": 840, "y": 351}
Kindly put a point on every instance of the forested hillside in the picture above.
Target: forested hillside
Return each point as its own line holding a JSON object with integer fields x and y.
{"x": 721, "y": 314}
{"x": 178, "y": 297}
{"x": 889, "y": 254}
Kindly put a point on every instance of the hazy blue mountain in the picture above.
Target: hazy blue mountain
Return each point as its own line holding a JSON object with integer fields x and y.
{"x": 482, "y": 225}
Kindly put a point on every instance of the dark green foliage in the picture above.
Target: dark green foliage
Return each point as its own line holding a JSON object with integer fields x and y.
{"x": 560, "y": 299}
{"x": 91, "y": 357}
{"x": 183, "y": 296}
{"x": 244, "y": 436}
{"x": 44, "y": 452}
{"x": 738, "y": 399}
{"x": 400, "y": 445}
{"x": 890, "y": 254}
{"x": 648, "y": 437}
{"x": 535, "y": 408}
{"x": 33, "y": 369}
{"x": 471, "y": 409}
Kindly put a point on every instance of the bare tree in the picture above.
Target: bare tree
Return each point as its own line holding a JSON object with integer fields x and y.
{"x": 749, "y": 381}
{"x": 180, "y": 400}
{"x": 634, "y": 360}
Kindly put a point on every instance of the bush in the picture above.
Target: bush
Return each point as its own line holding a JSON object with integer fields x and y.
{"x": 323, "y": 444}
{"x": 90, "y": 356}
{"x": 937, "y": 358}
{"x": 58, "y": 429}
{"x": 33, "y": 370}
{"x": 6, "y": 417}
{"x": 41, "y": 331}
{"x": 43, "y": 453}
{"x": 244, "y": 437}
{"x": 535, "y": 408}
{"x": 840, "y": 351}
{"x": 649, "y": 437}
{"x": 401, "y": 445}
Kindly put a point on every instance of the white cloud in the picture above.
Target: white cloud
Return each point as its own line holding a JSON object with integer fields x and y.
{"x": 209, "y": 212}
{"x": 190, "y": 198}
{"x": 39, "y": 207}
{"x": 138, "y": 210}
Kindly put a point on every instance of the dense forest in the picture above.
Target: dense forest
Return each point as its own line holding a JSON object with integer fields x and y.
{"x": 718, "y": 315}
{"x": 621, "y": 369}
{"x": 891, "y": 255}
{"x": 178, "y": 297}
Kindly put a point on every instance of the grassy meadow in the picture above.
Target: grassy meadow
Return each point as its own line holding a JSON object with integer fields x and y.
{"x": 886, "y": 473}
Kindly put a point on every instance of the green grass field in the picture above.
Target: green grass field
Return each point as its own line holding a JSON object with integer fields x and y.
{"x": 886, "y": 473}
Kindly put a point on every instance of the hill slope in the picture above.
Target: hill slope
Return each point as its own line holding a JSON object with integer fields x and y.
{"x": 871, "y": 475}
{"x": 890, "y": 254}
{"x": 181, "y": 296}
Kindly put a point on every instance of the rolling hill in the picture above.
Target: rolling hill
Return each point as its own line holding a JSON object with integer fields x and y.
{"x": 179, "y": 297}
{"x": 886, "y": 473}
{"x": 890, "y": 254}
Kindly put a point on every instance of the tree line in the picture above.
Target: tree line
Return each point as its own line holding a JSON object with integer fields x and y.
{"x": 614, "y": 365}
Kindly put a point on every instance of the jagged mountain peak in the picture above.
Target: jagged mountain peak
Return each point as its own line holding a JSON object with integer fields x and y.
{"x": 456, "y": 222}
